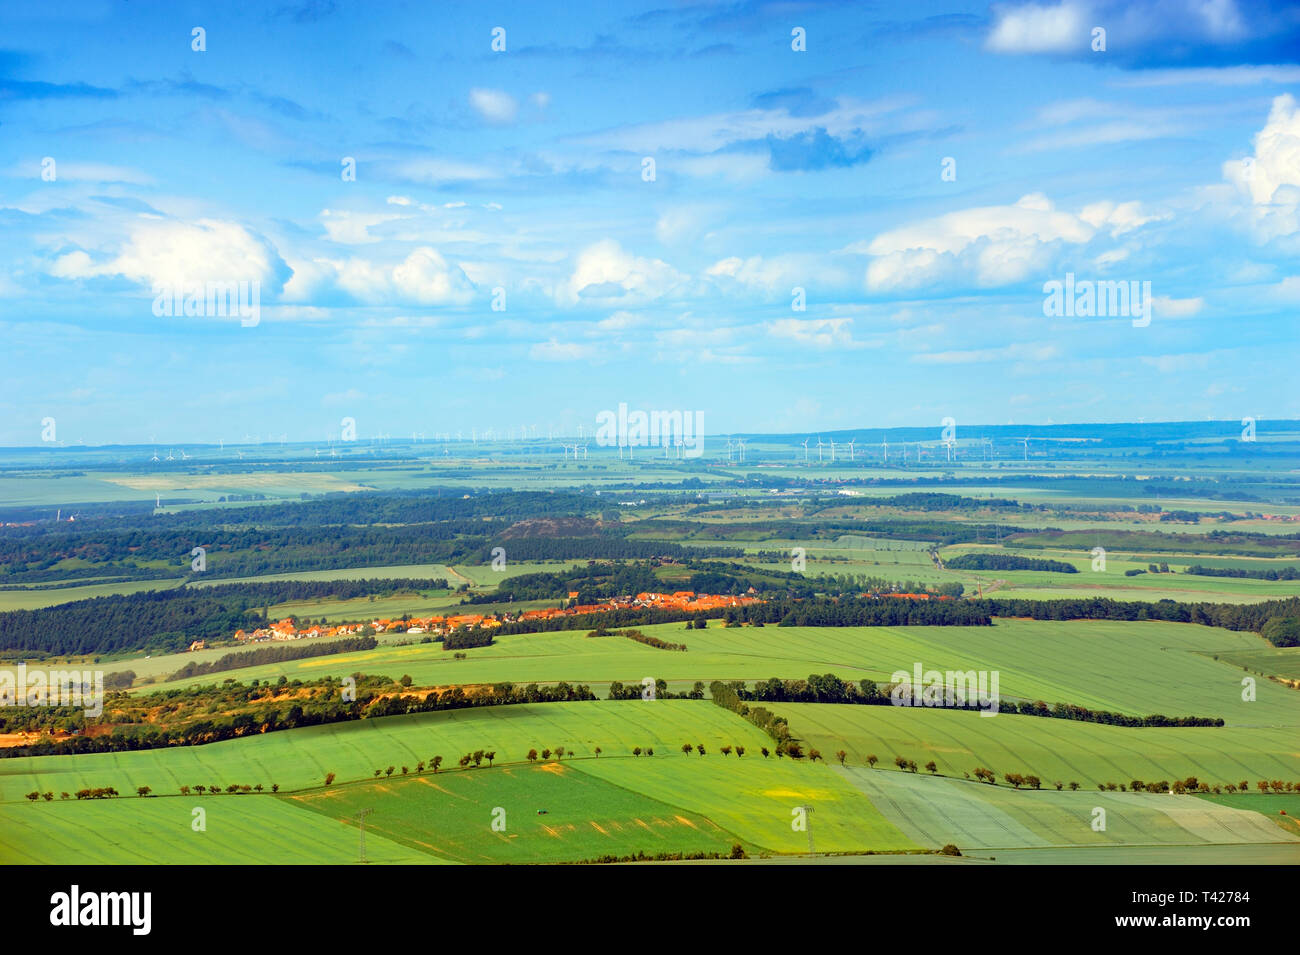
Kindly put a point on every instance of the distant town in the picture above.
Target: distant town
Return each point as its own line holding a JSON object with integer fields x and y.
{"x": 684, "y": 600}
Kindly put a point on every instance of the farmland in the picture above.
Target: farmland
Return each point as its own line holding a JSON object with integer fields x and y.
{"x": 608, "y": 778}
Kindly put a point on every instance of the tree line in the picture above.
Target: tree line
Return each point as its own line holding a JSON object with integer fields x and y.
{"x": 1008, "y": 562}
{"x": 280, "y": 654}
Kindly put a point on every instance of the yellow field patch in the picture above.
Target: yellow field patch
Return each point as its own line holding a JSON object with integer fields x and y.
{"x": 554, "y": 768}
{"x": 685, "y": 822}
{"x": 329, "y": 661}
{"x": 597, "y": 827}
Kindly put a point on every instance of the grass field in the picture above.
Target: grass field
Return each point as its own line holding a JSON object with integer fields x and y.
{"x": 1087, "y": 753}
{"x": 354, "y": 750}
{"x": 755, "y": 798}
{"x": 1138, "y": 668}
{"x": 1283, "y": 809}
{"x": 935, "y": 811}
{"x": 585, "y": 817}
{"x": 1279, "y": 661}
{"x": 251, "y": 830}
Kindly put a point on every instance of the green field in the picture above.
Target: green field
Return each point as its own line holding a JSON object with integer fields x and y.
{"x": 1138, "y": 668}
{"x": 1064, "y": 750}
{"x": 240, "y": 830}
{"x": 935, "y": 811}
{"x": 452, "y": 815}
{"x": 755, "y": 798}
{"x": 354, "y": 750}
{"x": 1278, "y": 661}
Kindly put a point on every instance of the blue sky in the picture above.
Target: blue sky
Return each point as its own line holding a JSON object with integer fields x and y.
{"x": 518, "y": 177}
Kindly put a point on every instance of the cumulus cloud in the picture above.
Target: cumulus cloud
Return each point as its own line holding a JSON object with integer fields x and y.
{"x": 1269, "y": 181}
{"x": 606, "y": 274}
{"x": 990, "y": 245}
{"x": 171, "y": 252}
{"x": 423, "y": 278}
{"x": 1039, "y": 29}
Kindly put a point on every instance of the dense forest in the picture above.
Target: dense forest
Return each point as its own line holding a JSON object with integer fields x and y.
{"x": 1279, "y": 573}
{"x": 169, "y": 620}
{"x": 1007, "y": 562}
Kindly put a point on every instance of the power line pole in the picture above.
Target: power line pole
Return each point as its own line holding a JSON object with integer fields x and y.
{"x": 807, "y": 811}
{"x": 361, "y": 819}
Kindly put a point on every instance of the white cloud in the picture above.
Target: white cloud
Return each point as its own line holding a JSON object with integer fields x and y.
{"x": 169, "y": 252}
{"x": 1277, "y": 155}
{"x": 606, "y": 274}
{"x": 995, "y": 245}
{"x": 495, "y": 106}
{"x": 423, "y": 278}
{"x": 1034, "y": 29}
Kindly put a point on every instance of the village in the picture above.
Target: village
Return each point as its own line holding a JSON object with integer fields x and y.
{"x": 682, "y": 600}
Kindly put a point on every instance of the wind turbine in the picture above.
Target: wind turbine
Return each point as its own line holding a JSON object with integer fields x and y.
{"x": 805, "y": 451}
{"x": 885, "y": 444}
{"x": 155, "y": 455}
{"x": 742, "y": 450}
{"x": 819, "y": 449}
{"x": 851, "y": 443}
{"x": 832, "y": 450}
{"x": 170, "y": 456}
{"x": 1026, "y": 443}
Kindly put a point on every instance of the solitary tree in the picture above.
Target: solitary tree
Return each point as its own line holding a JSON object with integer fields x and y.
{"x": 598, "y": 750}
{"x": 726, "y": 751}
{"x": 489, "y": 756}
{"x": 389, "y": 770}
{"x": 700, "y": 748}
{"x": 931, "y": 767}
{"x": 872, "y": 759}
{"x": 687, "y": 747}
{"x": 329, "y": 779}
{"x": 841, "y": 756}
{"x": 740, "y": 750}
{"x": 532, "y": 755}
{"x": 636, "y": 750}
{"x": 143, "y": 790}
